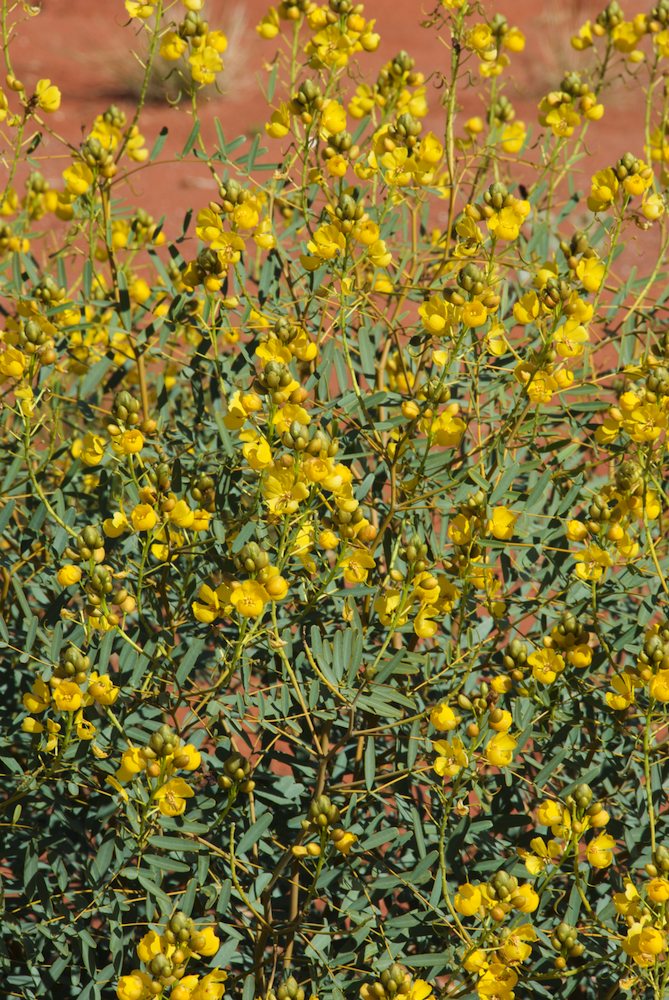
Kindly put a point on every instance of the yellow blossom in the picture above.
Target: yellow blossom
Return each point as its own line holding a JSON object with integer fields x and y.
{"x": 452, "y": 757}
{"x": 48, "y": 95}
{"x": 468, "y": 899}
{"x": 249, "y": 599}
{"x": 592, "y": 563}
{"x": 600, "y": 850}
{"x": 546, "y": 665}
{"x": 143, "y": 517}
{"x": 502, "y": 524}
{"x": 499, "y": 750}
{"x": 67, "y": 696}
{"x": 171, "y": 797}
{"x": 443, "y": 718}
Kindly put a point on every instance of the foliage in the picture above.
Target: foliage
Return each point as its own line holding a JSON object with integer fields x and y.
{"x": 334, "y": 560}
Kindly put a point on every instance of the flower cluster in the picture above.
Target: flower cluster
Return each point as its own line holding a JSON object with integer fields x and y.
{"x": 166, "y": 957}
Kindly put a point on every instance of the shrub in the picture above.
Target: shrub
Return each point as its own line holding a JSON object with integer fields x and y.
{"x": 334, "y": 561}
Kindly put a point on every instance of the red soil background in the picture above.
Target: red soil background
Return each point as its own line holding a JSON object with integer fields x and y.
{"x": 86, "y": 48}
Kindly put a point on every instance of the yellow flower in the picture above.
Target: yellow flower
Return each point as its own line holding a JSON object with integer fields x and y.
{"x": 645, "y": 422}
{"x": 85, "y": 730}
{"x": 172, "y": 46}
{"x": 116, "y": 525}
{"x": 546, "y": 665}
{"x": 39, "y": 697}
{"x": 591, "y": 271}
{"x": 205, "y": 62}
{"x": 579, "y": 656}
{"x": 201, "y": 519}
{"x": 328, "y": 243}
{"x": 475, "y": 961}
{"x": 516, "y": 946}
{"x": 544, "y": 855}
{"x": 282, "y": 493}
{"x": 150, "y": 946}
{"x": 474, "y": 314}
{"x": 497, "y": 982}
{"x": 603, "y": 190}
{"x": 137, "y": 985}
{"x": 460, "y": 530}
{"x": 526, "y": 309}
{"x": 592, "y": 563}
{"x": 570, "y": 338}
{"x": 420, "y": 990}
{"x": 397, "y": 167}
{"x": 658, "y": 890}
{"x": 583, "y": 39}
{"x": 625, "y": 36}
{"x": 503, "y": 523}
{"x": 131, "y": 442}
{"x": 279, "y": 124}
{"x": 622, "y": 695}
{"x": 171, "y": 797}
{"x": 67, "y": 696}
{"x": 513, "y": 40}
{"x": 468, "y": 899}
{"x": 210, "y": 987}
{"x": 452, "y": 757}
{"x": 600, "y": 851}
{"x": 500, "y": 720}
{"x": 561, "y": 117}
{"x": 447, "y": 429}
{"x": 386, "y": 604}
{"x": 343, "y": 841}
{"x": 430, "y": 151}
{"x": 644, "y": 943}
{"x": 78, "y": 178}
{"x": 249, "y": 599}
{"x": 208, "y": 606}
{"x": 185, "y": 988}
{"x": 205, "y": 942}
{"x": 142, "y": 9}
{"x": 132, "y": 762}
{"x": 443, "y": 718}
{"x": 48, "y": 95}
{"x": 480, "y": 39}
{"x": 357, "y": 565}
{"x": 275, "y": 584}
{"x": 333, "y": 118}
{"x": 628, "y": 902}
{"x": 513, "y": 137}
{"x": 438, "y": 316}
{"x": 424, "y": 626}
{"x": 102, "y": 690}
{"x": 659, "y": 686}
{"x": 12, "y": 362}
{"x": 143, "y": 517}
{"x": 505, "y": 224}
{"x": 525, "y": 899}
{"x": 653, "y": 207}
{"x": 181, "y": 515}
{"x": 268, "y": 27}
{"x": 499, "y": 750}
{"x": 550, "y": 812}
{"x": 91, "y": 449}
{"x": 68, "y": 575}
